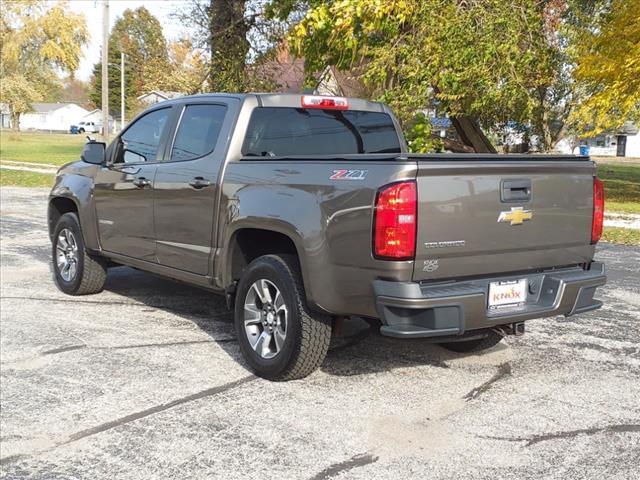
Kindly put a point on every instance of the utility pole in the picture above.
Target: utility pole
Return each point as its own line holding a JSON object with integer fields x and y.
{"x": 105, "y": 70}
{"x": 121, "y": 90}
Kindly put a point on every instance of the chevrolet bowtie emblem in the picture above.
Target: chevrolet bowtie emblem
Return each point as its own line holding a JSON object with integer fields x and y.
{"x": 517, "y": 216}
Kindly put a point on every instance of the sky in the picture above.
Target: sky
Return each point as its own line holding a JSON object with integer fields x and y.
{"x": 92, "y": 10}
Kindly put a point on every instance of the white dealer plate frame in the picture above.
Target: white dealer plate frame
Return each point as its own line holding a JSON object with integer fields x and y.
{"x": 510, "y": 295}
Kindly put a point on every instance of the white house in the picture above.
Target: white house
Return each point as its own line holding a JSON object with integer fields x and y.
{"x": 624, "y": 142}
{"x": 52, "y": 117}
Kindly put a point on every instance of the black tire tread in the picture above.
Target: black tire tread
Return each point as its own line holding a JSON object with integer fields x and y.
{"x": 315, "y": 329}
{"x": 94, "y": 271}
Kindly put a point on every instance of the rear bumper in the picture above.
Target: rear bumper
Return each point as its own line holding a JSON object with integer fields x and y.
{"x": 414, "y": 310}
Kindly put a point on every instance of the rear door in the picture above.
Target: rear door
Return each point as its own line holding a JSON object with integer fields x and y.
{"x": 186, "y": 185}
{"x": 483, "y": 216}
{"x": 124, "y": 189}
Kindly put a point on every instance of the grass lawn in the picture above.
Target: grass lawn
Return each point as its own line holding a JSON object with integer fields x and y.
{"x": 626, "y": 236}
{"x": 621, "y": 187}
{"x": 25, "y": 179}
{"x": 53, "y": 148}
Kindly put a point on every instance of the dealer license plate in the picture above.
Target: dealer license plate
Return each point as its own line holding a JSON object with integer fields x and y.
{"x": 507, "y": 295}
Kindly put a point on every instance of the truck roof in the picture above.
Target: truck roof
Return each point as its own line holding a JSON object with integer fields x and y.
{"x": 290, "y": 100}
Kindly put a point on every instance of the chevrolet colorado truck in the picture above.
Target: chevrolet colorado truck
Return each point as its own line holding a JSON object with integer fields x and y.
{"x": 304, "y": 210}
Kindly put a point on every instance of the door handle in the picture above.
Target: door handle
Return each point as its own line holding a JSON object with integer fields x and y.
{"x": 515, "y": 190}
{"x": 141, "y": 182}
{"x": 130, "y": 170}
{"x": 199, "y": 183}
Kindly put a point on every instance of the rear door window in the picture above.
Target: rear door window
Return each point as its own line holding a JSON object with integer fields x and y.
{"x": 198, "y": 131}
{"x": 278, "y": 131}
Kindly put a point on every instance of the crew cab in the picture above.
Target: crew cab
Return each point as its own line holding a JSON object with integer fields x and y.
{"x": 303, "y": 210}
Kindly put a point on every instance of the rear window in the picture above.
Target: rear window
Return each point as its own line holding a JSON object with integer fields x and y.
{"x": 278, "y": 131}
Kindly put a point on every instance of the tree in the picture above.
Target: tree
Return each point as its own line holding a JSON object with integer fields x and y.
{"x": 138, "y": 34}
{"x": 479, "y": 61}
{"x": 75, "y": 91}
{"x": 236, "y": 35}
{"x": 36, "y": 42}
{"x": 607, "y": 58}
{"x": 187, "y": 72}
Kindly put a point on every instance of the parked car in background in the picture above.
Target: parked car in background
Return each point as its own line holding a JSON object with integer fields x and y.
{"x": 303, "y": 210}
{"x": 89, "y": 127}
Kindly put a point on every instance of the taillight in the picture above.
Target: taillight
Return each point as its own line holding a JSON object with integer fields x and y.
{"x": 598, "y": 210}
{"x": 394, "y": 223}
{"x": 326, "y": 103}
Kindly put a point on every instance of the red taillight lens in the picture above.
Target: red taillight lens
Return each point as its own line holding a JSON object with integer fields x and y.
{"x": 326, "y": 103}
{"x": 394, "y": 223}
{"x": 598, "y": 210}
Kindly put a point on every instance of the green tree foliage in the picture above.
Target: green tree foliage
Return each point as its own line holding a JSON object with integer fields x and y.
{"x": 481, "y": 60}
{"x": 187, "y": 72}
{"x": 138, "y": 34}
{"x": 607, "y": 57}
{"x": 37, "y": 40}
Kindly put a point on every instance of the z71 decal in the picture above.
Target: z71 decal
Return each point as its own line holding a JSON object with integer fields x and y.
{"x": 348, "y": 175}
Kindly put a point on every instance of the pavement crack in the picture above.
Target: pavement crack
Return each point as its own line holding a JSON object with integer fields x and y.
{"x": 209, "y": 392}
{"x": 533, "y": 439}
{"x": 169, "y": 344}
{"x": 157, "y": 409}
{"x": 11, "y": 458}
{"x": 354, "y": 462}
{"x": 63, "y": 349}
{"x": 504, "y": 369}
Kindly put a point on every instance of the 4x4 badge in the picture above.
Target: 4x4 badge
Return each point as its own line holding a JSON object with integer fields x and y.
{"x": 517, "y": 216}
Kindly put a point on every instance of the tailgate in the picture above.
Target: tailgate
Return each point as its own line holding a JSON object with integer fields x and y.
{"x": 481, "y": 217}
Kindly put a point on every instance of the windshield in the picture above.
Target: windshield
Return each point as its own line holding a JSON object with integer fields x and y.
{"x": 278, "y": 131}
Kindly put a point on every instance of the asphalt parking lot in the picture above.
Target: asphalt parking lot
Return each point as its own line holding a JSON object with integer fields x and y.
{"x": 145, "y": 380}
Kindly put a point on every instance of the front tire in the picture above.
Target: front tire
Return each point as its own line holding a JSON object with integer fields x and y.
{"x": 75, "y": 272}
{"x": 279, "y": 338}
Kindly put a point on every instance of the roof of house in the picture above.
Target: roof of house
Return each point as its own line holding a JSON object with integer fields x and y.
{"x": 96, "y": 110}
{"x": 51, "y": 107}
{"x": 165, "y": 95}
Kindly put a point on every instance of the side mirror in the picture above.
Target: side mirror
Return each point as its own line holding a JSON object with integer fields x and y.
{"x": 93, "y": 152}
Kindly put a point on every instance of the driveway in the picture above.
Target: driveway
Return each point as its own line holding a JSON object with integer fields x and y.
{"x": 145, "y": 380}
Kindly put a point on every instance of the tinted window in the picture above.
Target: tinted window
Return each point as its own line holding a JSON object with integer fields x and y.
{"x": 141, "y": 140}
{"x": 280, "y": 131}
{"x": 198, "y": 131}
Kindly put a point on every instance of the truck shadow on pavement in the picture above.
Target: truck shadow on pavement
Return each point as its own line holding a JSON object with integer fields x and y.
{"x": 360, "y": 349}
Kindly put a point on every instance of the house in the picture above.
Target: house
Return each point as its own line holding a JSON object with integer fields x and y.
{"x": 623, "y": 142}
{"x": 57, "y": 117}
{"x": 5, "y": 116}
{"x": 156, "y": 96}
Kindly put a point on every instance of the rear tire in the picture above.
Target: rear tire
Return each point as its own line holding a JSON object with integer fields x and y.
{"x": 75, "y": 272}
{"x": 279, "y": 337}
{"x": 491, "y": 340}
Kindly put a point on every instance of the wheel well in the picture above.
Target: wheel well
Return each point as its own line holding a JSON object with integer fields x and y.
{"x": 251, "y": 243}
{"x": 58, "y": 207}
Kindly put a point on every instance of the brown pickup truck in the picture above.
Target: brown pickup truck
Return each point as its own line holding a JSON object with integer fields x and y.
{"x": 304, "y": 210}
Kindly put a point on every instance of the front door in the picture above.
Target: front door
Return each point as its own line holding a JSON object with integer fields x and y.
{"x": 124, "y": 187}
{"x": 622, "y": 146}
{"x": 186, "y": 187}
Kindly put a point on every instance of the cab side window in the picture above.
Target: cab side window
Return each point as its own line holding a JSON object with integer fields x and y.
{"x": 198, "y": 131}
{"x": 141, "y": 141}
